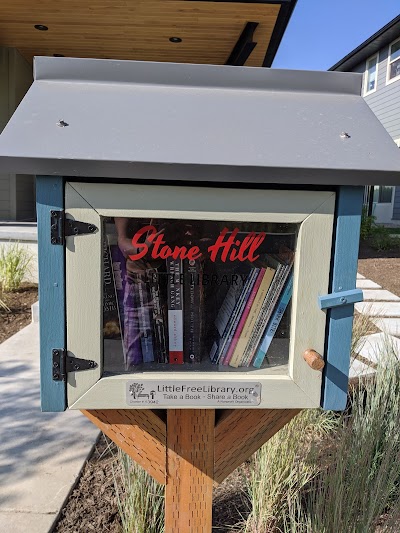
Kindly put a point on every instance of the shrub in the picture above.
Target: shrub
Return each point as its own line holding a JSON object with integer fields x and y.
{"x": 14, "y": 264}
{"x": 367, "y": 224}
{"x": 381, "y": 239}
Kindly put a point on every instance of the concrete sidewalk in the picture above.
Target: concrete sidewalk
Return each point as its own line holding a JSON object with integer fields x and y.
{"x": 41, "y": 454}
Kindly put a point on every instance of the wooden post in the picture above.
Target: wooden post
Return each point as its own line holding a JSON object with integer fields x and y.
{"x": 190, "y": 469}
{"x": 189, "y": 451}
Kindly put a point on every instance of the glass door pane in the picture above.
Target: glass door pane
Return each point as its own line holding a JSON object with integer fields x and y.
{"x": 207, "y": 295}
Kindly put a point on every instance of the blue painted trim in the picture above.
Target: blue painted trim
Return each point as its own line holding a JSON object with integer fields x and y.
{"x": 50, "y": 195}
{"x": 343, "y": 278}
{"x": 340, "y": 298}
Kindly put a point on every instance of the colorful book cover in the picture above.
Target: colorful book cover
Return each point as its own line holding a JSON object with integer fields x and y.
{"x": 266, "y": 275}
{"x": 145, "y": 320}
{"x": 276, "y": 287}
{"x": 193, "y": 318}
{"x": 238, "y": 313}
{"x": 243, "y": 317}
{"x": 175, "y": 310}
{"x": 159, "y": 315}
{"x": 274, "y": 323}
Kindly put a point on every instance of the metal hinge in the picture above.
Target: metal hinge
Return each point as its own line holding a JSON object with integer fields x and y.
{"x": 62, "y": 227}
{"x": 64, "y": 363}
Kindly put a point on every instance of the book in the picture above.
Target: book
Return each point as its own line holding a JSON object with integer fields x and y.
{"x": 237, "y": 313}
{"x": 243, "y": 317}
{"x": 266, "y": 275}
{"x": 159, "y": 315}
{"x": 131, "y": 338}
{"x": 224, "y": 313}
{"x": 145, "y": 319}
{"x": 175, "y": 310}
{"x": 119, "y": 271}
{"x": 283, "y": 266}
{"x": 111, "y": 320}
{"x": 273, "y": 324}
{"x": 193, "y": 316}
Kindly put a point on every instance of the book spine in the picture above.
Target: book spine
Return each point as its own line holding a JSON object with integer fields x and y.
{"x": 238, "y": 314}
{"x": 159, "y": 317}
{"x": 111, "y": 322}
{"x": 175, "y": 311}
{"x": 243, "y": 318}
{"x": 193, "y": 311}
{"x": 119, "y": 271}
{"x": 222, "y": 344}
{"x": 132, "y": 343}
{"x": 272, "y": 297}
{"x": 274, "y": 323}
{"x": 224, "y": 315}
{"x": 146, "y": 334}
{"x": 238, "y": 354}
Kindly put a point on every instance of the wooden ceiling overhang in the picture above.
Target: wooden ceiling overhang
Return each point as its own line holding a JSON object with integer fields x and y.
{"x": 180, "y": 31}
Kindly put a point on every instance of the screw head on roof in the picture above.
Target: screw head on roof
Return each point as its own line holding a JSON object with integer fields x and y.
{"x": 62, "y": 124}
{"x": 345, "y": 135}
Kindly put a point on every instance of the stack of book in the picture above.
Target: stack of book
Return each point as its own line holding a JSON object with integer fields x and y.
{"x": 250, "y": 315}
{"x": 169, "y": 314}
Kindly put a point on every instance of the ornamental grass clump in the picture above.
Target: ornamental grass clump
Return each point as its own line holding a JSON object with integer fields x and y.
{"x": 282, "y": 468}
{"x": 140, "y": 498}
{"x": 362, "y": 481}
{"x": 15, "y": 261}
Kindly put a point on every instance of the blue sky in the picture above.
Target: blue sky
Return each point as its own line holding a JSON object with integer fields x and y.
{"x": 321, "y": 32}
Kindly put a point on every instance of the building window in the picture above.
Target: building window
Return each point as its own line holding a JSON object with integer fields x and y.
{"x": 383, "y": 194}
{"x": 371, "y": 75}
{"x": 393, "y": 72}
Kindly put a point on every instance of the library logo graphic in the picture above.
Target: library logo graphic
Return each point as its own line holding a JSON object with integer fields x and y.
{"x": 137, "y": 391}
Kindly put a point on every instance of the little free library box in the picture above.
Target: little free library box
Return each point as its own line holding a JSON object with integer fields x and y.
{"x": 198, "y": 231}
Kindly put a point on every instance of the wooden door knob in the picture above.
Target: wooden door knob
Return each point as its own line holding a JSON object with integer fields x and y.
{"x": 314, "y": 359}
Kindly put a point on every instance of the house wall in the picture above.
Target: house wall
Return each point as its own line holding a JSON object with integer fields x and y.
{"x": 17, "y": 195}
{"x": 385, "y": 103}
{"x": 396, "y": 204}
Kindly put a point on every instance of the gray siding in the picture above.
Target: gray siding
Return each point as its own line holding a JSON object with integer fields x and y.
{"x": 4, "y": 196}
{"x": 385, "y": 101}
{"x": 16, "y": 192}
{"x": 396, "y": 207}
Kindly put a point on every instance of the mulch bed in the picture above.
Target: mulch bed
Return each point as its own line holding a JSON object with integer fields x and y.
{"x": 19, "y": 303}
{"x": 383, "y": 267}
{"x": 92, "y": 505}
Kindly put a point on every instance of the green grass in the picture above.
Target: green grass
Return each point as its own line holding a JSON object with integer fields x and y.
{"x": 362, "y": 480}
{"x": 140, "y": 498}
{"x": 14, "y": 265}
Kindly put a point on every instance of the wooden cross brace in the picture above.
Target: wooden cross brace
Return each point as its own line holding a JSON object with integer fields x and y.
{"x": 189, "y": 449}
